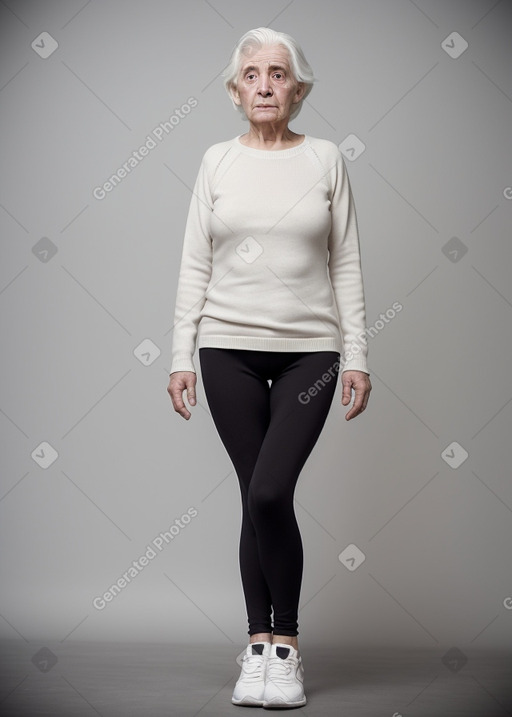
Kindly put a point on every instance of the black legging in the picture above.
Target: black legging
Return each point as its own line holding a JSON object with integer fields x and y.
{"x": 269, "y": 432}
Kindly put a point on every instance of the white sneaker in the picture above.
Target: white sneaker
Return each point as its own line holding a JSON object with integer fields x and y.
{"x": 250, "y": 685}
{"x": 284, "y": 685}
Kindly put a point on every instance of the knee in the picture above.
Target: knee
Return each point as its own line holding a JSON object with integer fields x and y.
{"x": 267, "y": 500}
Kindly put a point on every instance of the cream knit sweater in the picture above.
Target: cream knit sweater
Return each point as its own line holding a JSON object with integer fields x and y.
{"x": 270, "y": 257}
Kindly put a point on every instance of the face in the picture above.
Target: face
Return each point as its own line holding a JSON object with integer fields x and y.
{"x": 266, "y": 87}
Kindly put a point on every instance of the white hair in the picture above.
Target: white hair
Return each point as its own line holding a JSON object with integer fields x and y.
{"x": 266, "y": 36}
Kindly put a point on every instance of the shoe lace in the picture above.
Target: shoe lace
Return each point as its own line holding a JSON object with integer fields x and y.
{"x": 252, "y": 666}
{"x": 279, "y": 669}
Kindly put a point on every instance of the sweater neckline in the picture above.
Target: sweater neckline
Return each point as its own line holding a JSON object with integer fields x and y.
{"x": 271, "y": 153}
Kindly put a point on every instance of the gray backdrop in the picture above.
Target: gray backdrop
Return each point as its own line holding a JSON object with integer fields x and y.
{"x": 406, "y": 511}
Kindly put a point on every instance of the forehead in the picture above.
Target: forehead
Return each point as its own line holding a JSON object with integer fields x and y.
{"x": 264, "y": 56}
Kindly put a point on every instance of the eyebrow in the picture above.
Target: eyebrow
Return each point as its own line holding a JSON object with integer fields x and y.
{"x": 271, "y": 67}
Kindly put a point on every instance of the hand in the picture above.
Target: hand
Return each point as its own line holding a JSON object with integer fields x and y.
{"x": 178, "y": 382}
{"x": 362, "y": 387}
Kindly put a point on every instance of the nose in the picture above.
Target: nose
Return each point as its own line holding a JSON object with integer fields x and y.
{"x": 264, "y": 88}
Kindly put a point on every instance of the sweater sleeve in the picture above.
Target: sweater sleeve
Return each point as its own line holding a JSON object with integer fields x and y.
{"x": 194, "y": 275}
{"x": 345, "y": 272}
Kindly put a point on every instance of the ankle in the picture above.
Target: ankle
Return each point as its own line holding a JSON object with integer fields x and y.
{"x": 260, "y": 637}
{"x": 287, "y": 640}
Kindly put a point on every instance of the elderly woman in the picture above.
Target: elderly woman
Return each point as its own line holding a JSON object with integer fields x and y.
{"x": 270, "y": 287}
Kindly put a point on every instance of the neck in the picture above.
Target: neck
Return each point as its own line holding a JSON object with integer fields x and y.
{"x": 269, "y": 135}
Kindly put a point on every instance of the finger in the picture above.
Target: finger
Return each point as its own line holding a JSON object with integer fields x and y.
{"x": 183, "y": 411}
{"x": 347, "y": 391}
{"x": 191, "y": 395}
{"x": 358, "y": 405}
{"x": 176, "y": 396}
{"x": 177, "y": 401}
{"x": 366, "y": 398}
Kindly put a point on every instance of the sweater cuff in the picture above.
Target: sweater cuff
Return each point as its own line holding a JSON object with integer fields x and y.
{"x": 182, "y": 362}
{"x": 355, "y": 363}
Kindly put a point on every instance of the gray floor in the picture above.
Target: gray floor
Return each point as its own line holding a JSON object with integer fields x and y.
{"x": 154, "y": 680}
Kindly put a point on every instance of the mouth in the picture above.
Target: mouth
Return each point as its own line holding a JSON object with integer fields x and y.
{"x": 266, "y": 107}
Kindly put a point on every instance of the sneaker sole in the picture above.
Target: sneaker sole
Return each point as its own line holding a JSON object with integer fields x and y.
{"x": 248, "y": 702}
{"x": 278, "y": 704}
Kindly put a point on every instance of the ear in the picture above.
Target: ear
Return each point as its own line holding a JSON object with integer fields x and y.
{"x": 301, "y": 88}
{"x": 233, "y": 91}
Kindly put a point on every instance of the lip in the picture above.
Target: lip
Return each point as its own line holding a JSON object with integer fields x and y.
{"x": 265, "y": 106}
